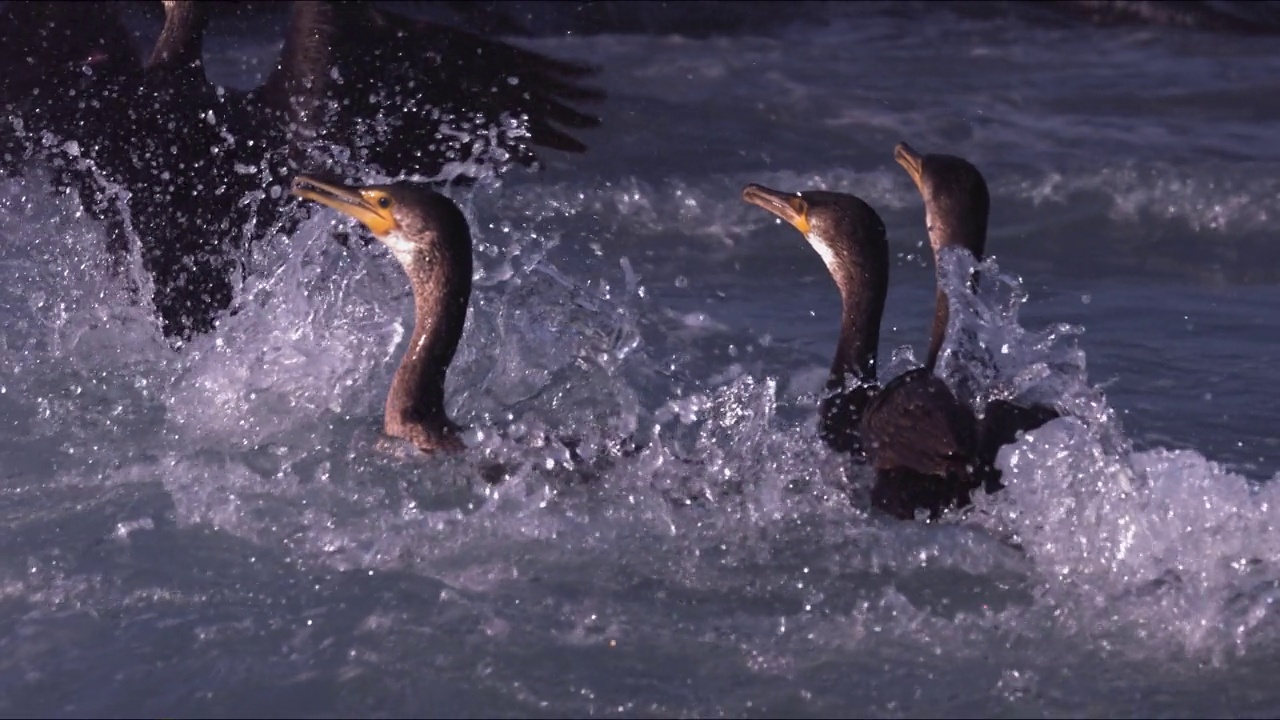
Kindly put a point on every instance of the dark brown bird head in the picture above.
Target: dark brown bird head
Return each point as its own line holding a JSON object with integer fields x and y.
{"x": 955, "y": 196}
{"x": 409, "y": 219}
{"x": 846, "y": 232}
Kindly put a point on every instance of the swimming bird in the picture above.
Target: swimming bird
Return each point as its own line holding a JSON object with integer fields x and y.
{"x": 960, "y": 453}
{"x": 849, "y": 236}
{"x": 193, "y": 173}
{"x": 429, "y": 235}
{"x": 928, "y": 448}
{"x": 914, "y": 432}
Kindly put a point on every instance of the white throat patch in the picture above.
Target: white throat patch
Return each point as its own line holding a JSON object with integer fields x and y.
{"x": 402, "y": 248}
{"x": 824, "y": 252}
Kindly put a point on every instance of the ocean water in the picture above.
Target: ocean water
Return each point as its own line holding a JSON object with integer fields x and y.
{"x": 222, "y": 531}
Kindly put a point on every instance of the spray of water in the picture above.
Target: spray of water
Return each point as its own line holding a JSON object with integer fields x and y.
{"x": 268, "y": 430}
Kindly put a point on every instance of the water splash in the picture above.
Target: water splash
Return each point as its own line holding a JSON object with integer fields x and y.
{"x": 1162, "y": 547}
{"x": 268, "y": 430}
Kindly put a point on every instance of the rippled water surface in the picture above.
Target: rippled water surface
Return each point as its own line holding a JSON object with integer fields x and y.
{"x": 221, "y": 530}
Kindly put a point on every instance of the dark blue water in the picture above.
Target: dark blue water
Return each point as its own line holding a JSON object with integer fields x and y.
{"x": 220, "y": 530}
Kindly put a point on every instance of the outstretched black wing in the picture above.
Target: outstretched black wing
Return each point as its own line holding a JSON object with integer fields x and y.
{"x": 411, "y": 96}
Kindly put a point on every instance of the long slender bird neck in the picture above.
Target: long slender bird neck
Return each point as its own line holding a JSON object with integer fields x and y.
{"x": 941, "y": 316}
{"x": 441, "y": 291}
{"x": 181, "y": 43}
{"x": 852, "y": 382}
{"x": 308, "y": 50}
{"x": 862, "y": 296}
{"x": 973, "y": 239}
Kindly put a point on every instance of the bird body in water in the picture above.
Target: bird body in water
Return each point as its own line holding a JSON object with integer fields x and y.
{"x": 960, "y": 453}
{"x": 928, "y": 448}
{"x": 429, "y": 236}
{"x": 937, "y": 433}
{"x": 849, "y": 236}
{"x": 194, "y": 172}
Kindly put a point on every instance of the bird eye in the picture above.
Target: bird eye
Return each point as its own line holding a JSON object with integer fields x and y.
{"x": 384, "y": 202}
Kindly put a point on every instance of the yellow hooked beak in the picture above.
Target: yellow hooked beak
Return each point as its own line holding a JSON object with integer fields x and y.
{"x": 912, "y": 162}
{"x": 370, "y": 206}
{"x": 789, "y": 207}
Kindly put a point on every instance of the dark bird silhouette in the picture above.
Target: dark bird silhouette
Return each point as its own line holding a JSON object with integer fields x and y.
{"x": 430, "y": 237}
{"x": 919, "y": 438}
{"x": 960, "y": 454}
{"x": 928, "y": 448}
{"x": 195, "y": 173}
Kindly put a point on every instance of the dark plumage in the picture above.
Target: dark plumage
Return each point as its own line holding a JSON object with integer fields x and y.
{"x": 923, "y": 443}
{"x": 928, "y": 448}
{"x": 430, "y": 237}
{"x": 194, "y": 172}
{"x": 850, "y": 238}
{"x": 914, "y": 432}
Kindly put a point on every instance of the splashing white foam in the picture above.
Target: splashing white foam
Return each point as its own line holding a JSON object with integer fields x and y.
{"x": 268, "y": 430}
{"x": 1162, "y": 545}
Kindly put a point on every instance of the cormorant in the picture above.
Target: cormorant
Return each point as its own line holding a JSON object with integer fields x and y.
{"x": 430, "y": 237}
{"x": 849, "y": 236}
{"x": 914, "y": 432}
{"x": 928, "y": 448}
{"x": 196, "y": 172}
